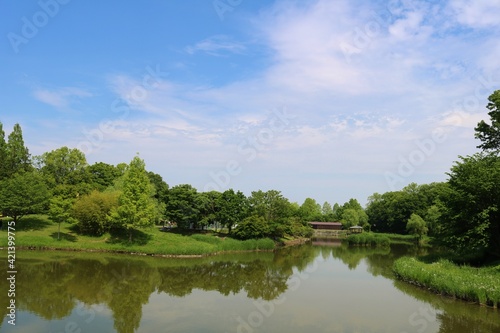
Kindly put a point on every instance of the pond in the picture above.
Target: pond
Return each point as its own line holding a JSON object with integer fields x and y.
{"x": 319, "y": 287}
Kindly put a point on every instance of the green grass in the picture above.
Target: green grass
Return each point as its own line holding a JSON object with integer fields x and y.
{"x": 368, "y": 239}
{"x": 38, "y": 232}
{"x": 479, "y": 285}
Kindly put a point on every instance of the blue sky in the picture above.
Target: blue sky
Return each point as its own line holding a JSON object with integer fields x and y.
{"x": 323, "y": 99}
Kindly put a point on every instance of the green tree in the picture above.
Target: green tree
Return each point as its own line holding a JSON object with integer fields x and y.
{"x": 92, "y": 211}
{"x": 66, "y": 169}
{"x": 310, "y": 210}
{"x": 182, "y": 206}
{"x": 3, "y": 154}
{"x": 23, "y": 193}
{"x": 60, "y": 211}
{"x": 161, "y": 187}
{"x": 208, "y": 207}
{"x": 233, "y": 208}
{"x": 252, "y": 227}
{"x": 17, "y": 157}
{"x": 489, "y": 134}
{"x": 471, "y": 221}
{"x": 103, "y": 175}
{"x": 327, "y": 211}
{"x": 417, "y": 226}
{"x": 137, "y": 206}
{"x": 274, "y": 208}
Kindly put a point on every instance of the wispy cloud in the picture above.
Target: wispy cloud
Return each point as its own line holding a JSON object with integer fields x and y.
{"x": 476, "y": 13}
{"x": 60, "y": 98}
{"x": 217, "y": 45}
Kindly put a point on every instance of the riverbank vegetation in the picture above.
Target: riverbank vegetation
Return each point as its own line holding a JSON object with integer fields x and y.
{"x": 479, "y": 285}
{"x": 38, "y": 232}
{"x": 368, "y": 239}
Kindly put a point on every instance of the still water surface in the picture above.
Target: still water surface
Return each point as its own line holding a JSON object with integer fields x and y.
{"x": 311, "y": 288}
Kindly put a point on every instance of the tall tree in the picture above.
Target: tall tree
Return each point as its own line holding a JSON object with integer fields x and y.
{"x": 209, "y": 206}
{"x": 66, "y": 170}
{"x": 23, "y": 193}
{"x": 310, "y": 210}
{"x": 3, "y": 154}
{"x": 233, "y": 208}
{"x": 471, "y": 221}
{"x": 137, "y": 206}
{"x": 17, "y": 154}
{"x": 182, "y": 207}
{"x": 489, "y": 134}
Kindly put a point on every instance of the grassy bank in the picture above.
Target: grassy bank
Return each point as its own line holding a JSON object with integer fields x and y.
{"x": 37, "y": 232}
{"x": 368, "y": 239}
{"x": 479, "y": 285}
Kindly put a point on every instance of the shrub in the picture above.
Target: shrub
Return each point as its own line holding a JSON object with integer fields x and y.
{"x": 368, "y": 239}
{"x": 252, "y": 227}
{"x": 92, "y": 210}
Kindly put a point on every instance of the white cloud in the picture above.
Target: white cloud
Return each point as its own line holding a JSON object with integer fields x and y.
{"x": 217, "y": 46}
{"x": 476, "y": 13}
{"x": 60, "y": 98}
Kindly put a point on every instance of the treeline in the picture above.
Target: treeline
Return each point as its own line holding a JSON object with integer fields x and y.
{"x": 101, "y": 197}
{"x": 462, "y": 213}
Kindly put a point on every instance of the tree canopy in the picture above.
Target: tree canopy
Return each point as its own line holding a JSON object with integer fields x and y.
{"x": 489, "y": 133}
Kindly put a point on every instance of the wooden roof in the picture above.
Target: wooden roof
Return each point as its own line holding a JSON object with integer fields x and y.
{"x": 325, "y": 223}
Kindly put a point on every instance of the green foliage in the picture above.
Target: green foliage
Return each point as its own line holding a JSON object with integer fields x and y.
{"x": 489, "y": 134}
{"x": 233, "y": 208}
{"x": 137, "y": 206}
{"x": 161, "y": 187}
{"x": 252, "y": 227}
{"x": 182, "y": 206}
{"x": 92, "y": 212}
{"x": 417, "y": 226}
{"x": 23, "y": 193}
{"x": 300, "y": 228}
{"x": 310, "y": 210}
{"x": 471, "y": 284}
{"x": 368, "y": 239}
{"x": 18, "y": 157}
{"x": 60, "y": 211}
{"x": 208, "y": 207}
{"x": 471, "y": 221}
{"x": 3, "y": 154}
{"x": 102, "y": 175}
{"x": 14, "y": 155}
{"x": 274, "y": 209}
{"x": 389, "y": 212}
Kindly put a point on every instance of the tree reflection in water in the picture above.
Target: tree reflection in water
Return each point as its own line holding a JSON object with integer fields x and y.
{"x": 52, "y": 286}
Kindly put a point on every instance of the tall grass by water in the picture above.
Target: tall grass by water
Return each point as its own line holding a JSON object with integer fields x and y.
{"x": 368, "y": 239}
{"x": 479, "y": 285}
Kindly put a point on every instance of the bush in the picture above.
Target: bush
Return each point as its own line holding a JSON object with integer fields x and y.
{"x": 368, "y": 239}
{"x": 92, "y": 210}
{"x": 252, "y": 227}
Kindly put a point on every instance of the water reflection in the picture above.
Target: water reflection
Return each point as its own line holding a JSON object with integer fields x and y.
{"x": 51, "y": 286}
{"x": 54, "y": 286}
